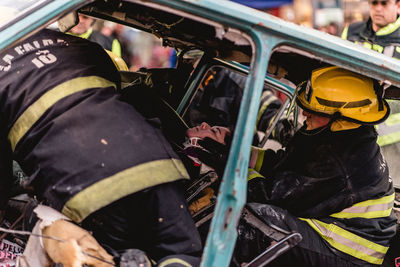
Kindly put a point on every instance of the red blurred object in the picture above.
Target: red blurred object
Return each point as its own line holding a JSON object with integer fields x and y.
{"x": 274, "y": 11}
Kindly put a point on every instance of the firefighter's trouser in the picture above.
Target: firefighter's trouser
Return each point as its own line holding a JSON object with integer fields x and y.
{"x": 311, "y": 251}
{"x": 155, "y": 220}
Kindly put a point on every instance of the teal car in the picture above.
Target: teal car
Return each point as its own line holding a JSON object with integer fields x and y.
{"x": 212, "y": 36}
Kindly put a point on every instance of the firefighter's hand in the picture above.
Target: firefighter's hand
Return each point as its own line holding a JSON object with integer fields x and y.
{"x": 283, "y": 132}
{"x": 215, "y": 154}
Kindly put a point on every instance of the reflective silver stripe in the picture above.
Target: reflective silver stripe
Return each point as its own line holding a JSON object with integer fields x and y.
{"x": 174, "y": 261}
{"x": 256, "y": 158}
{"x": 389, "y": 131}
{"x": 374, "y": 208}
{"x": 388, "y": 126}
{"x": 253, "y": 157}
{"x": 385, "y": 129}
{"x": 348, "y": 242}
{"x": 388, "y": 51}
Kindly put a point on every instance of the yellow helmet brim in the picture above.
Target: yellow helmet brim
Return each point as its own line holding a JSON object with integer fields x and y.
{"x": 372, "y": 113}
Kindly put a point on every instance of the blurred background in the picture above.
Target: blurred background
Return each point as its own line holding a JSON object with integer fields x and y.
{"x": 141, "y": 49}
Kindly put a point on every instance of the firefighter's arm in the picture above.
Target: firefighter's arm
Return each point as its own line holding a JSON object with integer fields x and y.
{"x": 264, "y": 160}
{"x": 258, "y": 187}
{"x": 302, "y": 188}
{"x": 259, "y": 177}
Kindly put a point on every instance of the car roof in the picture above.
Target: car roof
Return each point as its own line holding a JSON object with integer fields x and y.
{"x": 229, "y": 30}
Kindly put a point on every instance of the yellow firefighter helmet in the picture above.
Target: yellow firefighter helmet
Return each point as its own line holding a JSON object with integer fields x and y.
{"x": 342, "y": 94}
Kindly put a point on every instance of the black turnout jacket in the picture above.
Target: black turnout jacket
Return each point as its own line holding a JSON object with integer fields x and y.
{"x": 63, "y": 121}
{"x": 339, "y": 183}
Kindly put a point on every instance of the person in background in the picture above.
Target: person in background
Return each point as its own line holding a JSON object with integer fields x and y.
{"x": 119, "y": 32}
{"x": 84, "y": 29}
{"x": 381, "y": 33}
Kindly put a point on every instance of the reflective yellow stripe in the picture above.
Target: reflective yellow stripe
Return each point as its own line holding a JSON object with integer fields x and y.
{"x": 253, "y": 174}
{"x": 344, "y": 33}
{"x": 388, "y": 139}
{"x": 374, "y": 208}
{"x": 391, "y": 27}
{"x": 348, "y": 242}
{"x": 116, "y": 47}
{"x": 397, "y": 49}
{"x": 377, "y": 48}
{"x": 367, "y": 45}
{"x": 260, "y": 159}
{"x": 172, "y": 261}
{"x": 47, "y": 100}
{"x": 122, "y": 184}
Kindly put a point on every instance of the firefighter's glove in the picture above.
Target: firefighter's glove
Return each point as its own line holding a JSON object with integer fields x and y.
{"x": 214, "y": 154}
{"x": 283, "y": 132}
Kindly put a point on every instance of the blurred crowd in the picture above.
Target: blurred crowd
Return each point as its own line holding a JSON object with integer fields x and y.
{"x": 331, "y": 28}
{"x": 138, "y": 49}
{"x": 141, "y": 49}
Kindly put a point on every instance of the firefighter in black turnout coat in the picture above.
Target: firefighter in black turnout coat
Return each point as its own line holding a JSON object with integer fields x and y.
{"x": 331, "y": 184}
{"x": 87, "y": 153}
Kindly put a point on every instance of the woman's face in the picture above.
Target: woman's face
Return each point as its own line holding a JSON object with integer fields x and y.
{"x": 204, "y": 130}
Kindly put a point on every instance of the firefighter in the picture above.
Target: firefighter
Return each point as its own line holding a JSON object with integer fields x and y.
{"x": 331, "y": 184}
{"x": 84, "y": 29}
{"x": 87, "y": 153}
{"x": 382, "y": 33}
